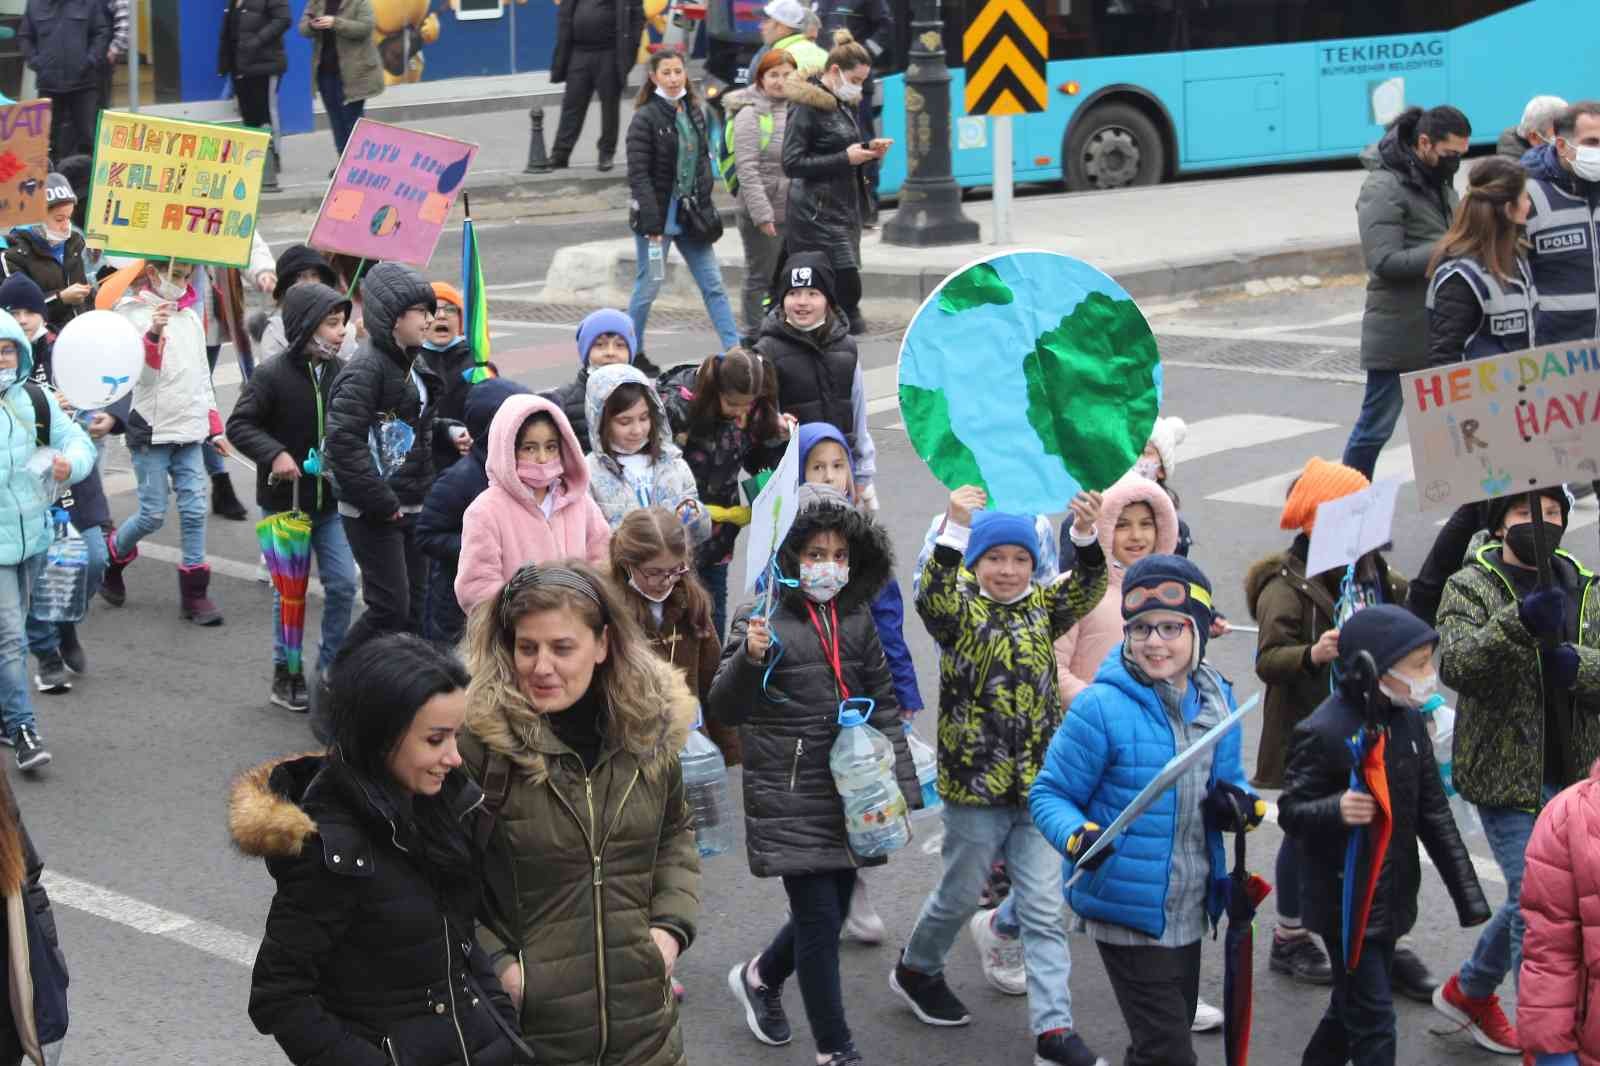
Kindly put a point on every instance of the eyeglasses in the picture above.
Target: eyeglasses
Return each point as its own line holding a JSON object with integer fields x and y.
{"x": 656, "y": 576}
{"x": 1140, "y": 631}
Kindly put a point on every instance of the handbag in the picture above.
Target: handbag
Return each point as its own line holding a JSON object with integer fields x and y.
{"x": 699, "y": 222}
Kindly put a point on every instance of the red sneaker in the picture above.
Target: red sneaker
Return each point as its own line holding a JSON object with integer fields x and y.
{"x": 1482, "y": 1018}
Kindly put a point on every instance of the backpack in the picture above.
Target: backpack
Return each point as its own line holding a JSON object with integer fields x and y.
{"x": 725, "y": 162}
{"x": 676, "y": 389}
{"x": 41, "y": 413}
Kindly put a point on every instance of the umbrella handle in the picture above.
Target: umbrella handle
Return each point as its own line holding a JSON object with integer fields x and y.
{"x": 295, "y": 494}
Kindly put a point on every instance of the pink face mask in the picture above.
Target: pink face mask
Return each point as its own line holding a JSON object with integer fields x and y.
{"x": 539, "y": 475}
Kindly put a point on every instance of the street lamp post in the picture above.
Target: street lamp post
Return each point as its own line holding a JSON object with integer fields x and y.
{"x": 930, "y": 199}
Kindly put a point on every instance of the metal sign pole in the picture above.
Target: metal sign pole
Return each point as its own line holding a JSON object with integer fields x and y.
{"x": 133, "y": 55}
{"x": 1002, "y": 179}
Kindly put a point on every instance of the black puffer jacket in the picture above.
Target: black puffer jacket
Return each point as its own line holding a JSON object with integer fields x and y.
{"x": 629, "y": 27}
{"x": 27, "y": 252}
{"x": 1308, "y": 810}
{"x": 794, "y": 818}
{"x": 65, "y": 42}
{"x": 439, "y": 524}
{"x": 252, "y": 39}
{"x": 370, "y": 955}
{"x": 825, "y": 190}
{"x": 652, "y": 148}
{"x": 816, "y": 371}
{"x": 451, "y": 365}
{"x": 283, "y": 406}
{"x": 570, "y": 398}
{"x": 377, "y": 386}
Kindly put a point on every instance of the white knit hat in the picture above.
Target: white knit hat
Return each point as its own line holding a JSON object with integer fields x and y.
{"x": 1166, "y": 435}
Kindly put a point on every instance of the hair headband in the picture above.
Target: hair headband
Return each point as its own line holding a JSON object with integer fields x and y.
{"x": 533, "y": 575}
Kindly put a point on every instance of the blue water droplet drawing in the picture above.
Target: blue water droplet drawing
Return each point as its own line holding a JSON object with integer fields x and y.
{"x": 1494, "y": 407}
{"x": 451, "y": 176}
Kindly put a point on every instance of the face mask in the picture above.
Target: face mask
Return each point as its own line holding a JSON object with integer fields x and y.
{"x": 1418, "y": 689}
{"x": 322, "y": 348}
{"x": 1520, "y": 539}
{"x": 635, "y": 450}
{"x": 847, "y": 91}
{"x": 674, "y": 97}
{"x": 653, "y": 599}
{"x": 171, "y": 290}
{"x": 8, "y": 378}
{"x": 1444, "y": 169}
{"x": 818, "y": 324}
{"x": 433, "y": 346}
{"x": 55, "y": 237}
{"x": 1150, "y": 469}
{"x": 823, "y": 581}
{"x": 539, "y": 475}
{"x": 1586, "y": 162}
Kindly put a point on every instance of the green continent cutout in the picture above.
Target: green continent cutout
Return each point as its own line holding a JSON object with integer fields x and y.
{"x": 974, "y": 287}
{"x": 1091, "y": 389}
{"x": 927, "y": 418}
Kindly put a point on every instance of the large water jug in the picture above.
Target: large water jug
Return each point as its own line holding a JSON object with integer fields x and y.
{"x": 1442, "y": 724}
{"x": 705, "y": 787}
{"x": 927, "y": 764}
{"x": 61, "y": 593}
{"x": 862, "y": 761}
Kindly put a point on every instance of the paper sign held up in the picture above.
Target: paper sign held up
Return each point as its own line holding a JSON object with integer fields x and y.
{"x": 391, "y": 193}
{"x": 772, "y": 514}
{"x": 1351, "y": 526}
{"x": 24, "y": 161}
{"x": 172, "y": 189}
{"x": 1504, "y": 423}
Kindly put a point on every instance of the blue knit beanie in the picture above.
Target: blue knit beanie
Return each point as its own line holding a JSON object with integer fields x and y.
{"x": 1154, "y": 571}
{"x": 991, "y": 529}
{"x": 605, "y": 320}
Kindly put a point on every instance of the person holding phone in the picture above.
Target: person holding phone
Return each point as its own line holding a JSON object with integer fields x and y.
{"x": 824, "y": 151}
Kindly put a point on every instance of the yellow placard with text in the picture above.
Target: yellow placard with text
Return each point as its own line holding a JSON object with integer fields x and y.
{"x": 171, "y": 189}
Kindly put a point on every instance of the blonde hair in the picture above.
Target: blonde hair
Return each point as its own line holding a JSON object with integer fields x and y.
{"x": 847, "y": 54}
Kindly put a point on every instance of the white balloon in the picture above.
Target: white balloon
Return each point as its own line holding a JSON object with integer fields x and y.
{"x": 96, "y": 359}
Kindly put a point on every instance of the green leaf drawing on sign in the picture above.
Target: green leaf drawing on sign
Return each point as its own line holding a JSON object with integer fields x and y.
{"x": 974, "y": 287}
{"x": 927, "y": 417}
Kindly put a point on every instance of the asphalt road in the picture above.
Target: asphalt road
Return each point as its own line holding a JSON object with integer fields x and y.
{"x": 159, "y": 916}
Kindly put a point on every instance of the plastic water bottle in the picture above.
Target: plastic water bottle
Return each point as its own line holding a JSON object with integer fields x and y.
{"x": 61, "y": 593}
{"x": 862, "y": 761}
{"x": 927, "y": 764}
{"x": 705, "y": 786}
{"x": 658, "y": 260}
{"x": 1442, "y": 723}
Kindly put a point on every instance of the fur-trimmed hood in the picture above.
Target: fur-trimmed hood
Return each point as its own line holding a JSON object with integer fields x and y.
{"x": 1134, "y": 488}
{"x": 809, "y": 90}
{"x": 650, "y": 723}
{"x": 871, "y": 556}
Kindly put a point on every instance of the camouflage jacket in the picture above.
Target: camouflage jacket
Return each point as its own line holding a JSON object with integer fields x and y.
{"x": 1492, "y": 661}
{"x": 999, "y": 699}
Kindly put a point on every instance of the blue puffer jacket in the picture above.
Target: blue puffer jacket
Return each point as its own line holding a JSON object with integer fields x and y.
{"x": 24, "y": 512}
{"x": 1115, "y": 738}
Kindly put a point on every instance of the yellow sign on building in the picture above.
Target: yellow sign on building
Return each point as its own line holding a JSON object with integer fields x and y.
{"x": 1005, "y": 48}
{"x": 171, "y": 189}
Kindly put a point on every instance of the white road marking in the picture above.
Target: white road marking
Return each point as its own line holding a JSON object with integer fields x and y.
{"x": 219, "y": 565}
{"x": 1220, "y": 334}
{"x": 1349, "y": 318}
{"x": 213, "y": 939}
{"x": 1394, "y": 461}
{"x": 1488, "y": 869}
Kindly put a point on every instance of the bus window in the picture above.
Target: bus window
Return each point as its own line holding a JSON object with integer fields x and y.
{"x": 1136, "y": 27}
{"x": 1236, "y": 23}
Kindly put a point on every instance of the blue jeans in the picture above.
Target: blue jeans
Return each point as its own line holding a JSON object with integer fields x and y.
{"x": 154, "y": 465}
{"x": 1380, "y": 410}
{"x": 44, "y": 638}
{"x": 973, "y": 837}
{"x": 16, "y": 589}
{"x": 702, "y": 260}
{"x": 1499, "y": 948}
{"x": 1359, "y": 1026}
{"x": 342, "y": 113}
{"x": 336, "y": 567}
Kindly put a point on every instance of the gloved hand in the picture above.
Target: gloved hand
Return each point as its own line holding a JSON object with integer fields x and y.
{"x": 1231, "y": 809}
{"x": 738, "y": 515}
{"x": 1560, "y": 665}
{"x": 868, "y": 496}
{"x": 1556, "y": 1058}
{"x": 1543, "y": 612}
{"x": 1082, "y": 841}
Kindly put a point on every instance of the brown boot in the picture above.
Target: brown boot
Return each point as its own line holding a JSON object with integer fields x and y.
{"x": 197, "y": 606}
{"x": 112, "y": 590}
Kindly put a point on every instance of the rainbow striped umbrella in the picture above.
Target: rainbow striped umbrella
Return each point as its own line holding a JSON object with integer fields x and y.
{"x": 475, "y": 318}
{"x": 286, "y": 546}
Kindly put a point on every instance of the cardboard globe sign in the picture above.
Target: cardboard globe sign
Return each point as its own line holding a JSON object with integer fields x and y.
{"x": 96, "y": 359}
{"x": 1031, "y": 374}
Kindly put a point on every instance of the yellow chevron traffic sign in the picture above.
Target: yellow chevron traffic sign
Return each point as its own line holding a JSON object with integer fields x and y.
{"x": 1005, "y": 48}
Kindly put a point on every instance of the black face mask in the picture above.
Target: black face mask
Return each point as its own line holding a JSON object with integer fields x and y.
{"x": 1443, "y": 170}
{"x": 1520, "y": 539}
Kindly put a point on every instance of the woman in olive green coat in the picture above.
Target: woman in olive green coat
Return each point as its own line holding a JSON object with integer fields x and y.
{"x": 591, "y": 873}
{"x": 349, "y": 73}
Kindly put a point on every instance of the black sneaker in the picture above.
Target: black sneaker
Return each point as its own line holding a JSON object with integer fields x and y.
{"x": 283, "y": 690}
{"x": 1301, "y": 958}
{"x": 72, "y": 652}
{"x": 30, "y": 752}
{"x": 1410, "y": 976}
{"x": 51, "y": 676}
{"x": 1065, "y": 1047}
{"x": 763, "y": 1008}
{"x": 929, "y": 998}
{"x": 848, "y": 1057}
{"x": 644, "y": 365}
{"x": 300, "y": 698}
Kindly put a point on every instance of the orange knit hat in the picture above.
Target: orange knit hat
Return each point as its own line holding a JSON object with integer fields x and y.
{"x": 1320, "y": 482}
{"x": 449, "y": 294}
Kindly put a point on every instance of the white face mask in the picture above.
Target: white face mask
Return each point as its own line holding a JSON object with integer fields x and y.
{"x": 823, "y": 581}
{"x": 8, "y": 378}
{"x": 171, "y": 290}
{"x": 1586, "y": 162}
{"x": 57, "y": 236}
{"x": 847, "y": 91}
{"x": 674, "y": 97}
{"x": 1418, "y": 689}
{"x": 1149, "y": 469}
{"x": 634, "y": 585}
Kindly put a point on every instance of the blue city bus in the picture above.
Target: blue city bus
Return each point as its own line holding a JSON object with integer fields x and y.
{"x": 1144, "y": 90}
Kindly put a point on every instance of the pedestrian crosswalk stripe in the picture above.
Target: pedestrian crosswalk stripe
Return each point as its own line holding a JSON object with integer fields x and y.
{"x": 1393, "y": 462}
{"x": 1226, "y": 433}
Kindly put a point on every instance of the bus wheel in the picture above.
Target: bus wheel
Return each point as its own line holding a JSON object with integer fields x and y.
{"x": 1113, "y": 146}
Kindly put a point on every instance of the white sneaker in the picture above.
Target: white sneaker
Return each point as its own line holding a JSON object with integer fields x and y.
{"x": 1206, "y": 1018}
{"x": 1001, "y": 956}
{"x": 862, "y": 924}
{"x": 262, "y": 574}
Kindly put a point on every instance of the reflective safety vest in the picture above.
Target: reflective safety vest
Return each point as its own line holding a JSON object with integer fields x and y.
{"x": 1565, "y": 262}
{"x": 1508, "y": 306}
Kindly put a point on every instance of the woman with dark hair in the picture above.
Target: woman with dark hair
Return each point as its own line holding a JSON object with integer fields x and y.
{"x": 36, "y": 960}
{"x": 591, "y": 872}
{"x": 369, "y": 957}
{"x": 669, "y": 175}
{"x": 634, "y": 462}
{"x": 824, "y": 151}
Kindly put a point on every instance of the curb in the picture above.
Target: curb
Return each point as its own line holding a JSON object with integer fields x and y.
{"x": 554, "y": 193}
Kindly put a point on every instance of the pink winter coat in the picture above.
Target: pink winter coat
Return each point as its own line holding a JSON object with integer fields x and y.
{"x": 1081, "y": 649}
{"x": 1558, "y": 1003}
{"x": 503, "y": 528}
